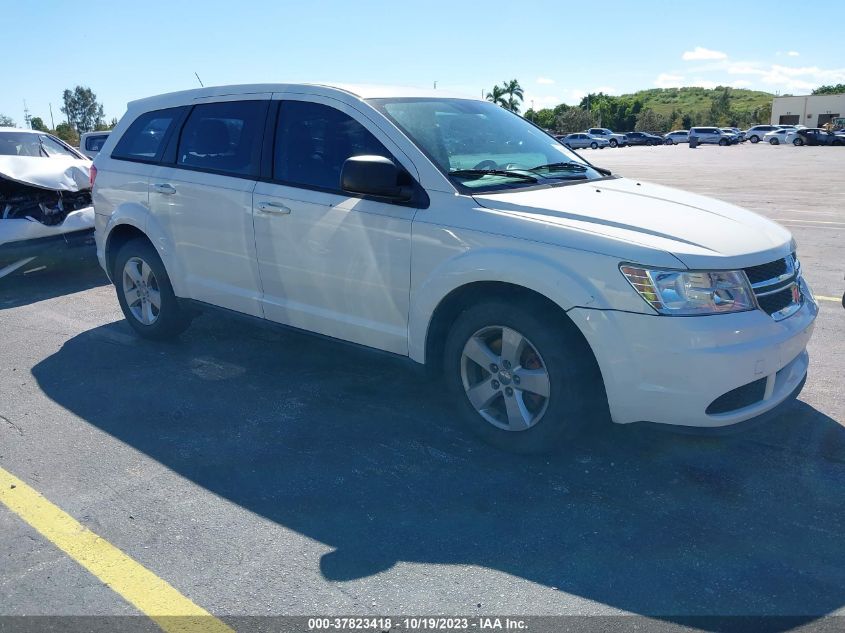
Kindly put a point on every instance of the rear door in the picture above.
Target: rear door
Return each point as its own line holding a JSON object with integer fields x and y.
{"x": 331, "y": 262}
{"x": 202, "y": 196}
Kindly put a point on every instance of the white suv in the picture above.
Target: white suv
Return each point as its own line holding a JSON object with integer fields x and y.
{"x": 455, "y": 233}
{"x": 710, "y": 135}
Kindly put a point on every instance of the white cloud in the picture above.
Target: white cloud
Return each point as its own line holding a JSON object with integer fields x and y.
{"x": 668, "y": 80}
{"x": 545, "y": 81}
{"x": 702, "y": 53}
{"x": 740, "y": 83}
{"x": 793, "y": 53}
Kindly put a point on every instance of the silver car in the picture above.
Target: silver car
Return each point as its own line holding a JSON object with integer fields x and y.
{"x": 613, "y": 139}
{"x": 776, "y": 137}
{"x": 677, "y": 136}
{"x": 711, "y": 135}
{"x": 581, "y": 140}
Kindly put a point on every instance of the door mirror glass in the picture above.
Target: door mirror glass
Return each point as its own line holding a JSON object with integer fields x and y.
{"x": 375, "y": 176}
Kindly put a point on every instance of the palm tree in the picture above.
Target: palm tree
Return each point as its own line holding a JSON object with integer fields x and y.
{"x": 497, "y": 96}
{"x": 514, "y": 93}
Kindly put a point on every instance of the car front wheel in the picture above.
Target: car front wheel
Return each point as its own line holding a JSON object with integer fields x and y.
{"x": 525, "y": 380}
{"x": 614, "y": 142}
{"x": 774, "y": 141}
{"x": 594, "y": 145}
{"x": 145, "y": 293}
{"x": 754, "y": 139}
{"x": 724, "y": 142}
{"x": 797, "y": 142}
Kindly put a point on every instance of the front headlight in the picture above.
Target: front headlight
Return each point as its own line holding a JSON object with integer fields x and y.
{"x": 676, "y": 292}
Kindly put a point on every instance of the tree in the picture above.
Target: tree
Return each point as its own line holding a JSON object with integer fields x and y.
{"x": 36, "y": 123}
{"x": 82, "y": 110}
{"x": 573, "y": 120}
{"x": 6, "y": 121}
{"x": 650, "y": 121}
{"x": 830, "y": 90}
{"x": 67, "y": 133}
{"x": 497, "y": 96}
{"x": 103, "y": 126}
{"x": 514, "y": 94}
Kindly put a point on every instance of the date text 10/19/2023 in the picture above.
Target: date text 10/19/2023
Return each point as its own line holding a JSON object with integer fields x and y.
{"x": 423, "y": 623}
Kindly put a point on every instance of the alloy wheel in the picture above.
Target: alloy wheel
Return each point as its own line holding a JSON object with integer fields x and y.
{"x": 505, "y": 378}
{"x": 141, "y": 291}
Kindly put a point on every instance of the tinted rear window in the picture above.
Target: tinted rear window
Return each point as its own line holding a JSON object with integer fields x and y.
{"x": 144, "y": 140}
{"x": 95, "y": 143}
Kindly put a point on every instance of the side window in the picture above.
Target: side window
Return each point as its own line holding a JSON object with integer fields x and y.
{"x": 95, "y": 143}
{"x": 144, "y": 140}
{"x": 314, "y": 140}
{"x": 54, "y": 148}
{"x": 224, "y": 137}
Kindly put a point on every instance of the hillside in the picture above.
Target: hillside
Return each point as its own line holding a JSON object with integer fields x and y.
{"x": 664, "y": 100}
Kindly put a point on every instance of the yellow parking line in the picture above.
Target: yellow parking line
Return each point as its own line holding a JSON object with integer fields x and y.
{"x": 823, "y": 298}
{"x": 151, "y": 595}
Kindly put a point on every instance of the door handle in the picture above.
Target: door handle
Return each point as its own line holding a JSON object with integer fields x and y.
{"x": 273, "y": 207}
{"x": 164, "y": 188}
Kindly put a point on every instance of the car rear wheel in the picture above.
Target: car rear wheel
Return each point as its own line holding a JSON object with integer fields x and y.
{"x": 614, "y": 142}
{"x": 145, "y": 293}
{"x": 774, "y": 141}
{"x": 754, "y": 139}
{"x": 724, "y": 142}
{"x": 594, "y": 145}
{"x": 798, "y": 142}
{"x": 524, "y": 378}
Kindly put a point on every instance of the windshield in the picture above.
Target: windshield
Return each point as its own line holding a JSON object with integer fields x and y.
{"x": 481, "y": 146}
{"x": 27, "y": 144}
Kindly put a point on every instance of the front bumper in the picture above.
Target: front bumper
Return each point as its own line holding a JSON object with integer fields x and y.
{"x": 669, "y": 370}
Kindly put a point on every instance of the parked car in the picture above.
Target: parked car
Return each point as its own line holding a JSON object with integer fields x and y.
{"x": 91, "y": 142}
{"x": 776, "y": 137}
{"x": 678, "y": 136}
{"x": 734, "y": 131}
{"x": 613, "y": 139}
{"x": 580, "y": 140}
{"x": 45, "y": 197}
{"x": 544, "y": 290}
{"x": 757, "y": 132}
{"x": 818, "y": 136}
{"x": 644, "y": 138}
{"x": 712, "y": 135}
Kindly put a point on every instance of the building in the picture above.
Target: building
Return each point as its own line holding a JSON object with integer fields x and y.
{"x": 809, "y": 110}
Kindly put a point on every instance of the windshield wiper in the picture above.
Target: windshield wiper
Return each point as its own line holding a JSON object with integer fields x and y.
{"x": 567, "y": 166}
{"x": 493, "y": 172}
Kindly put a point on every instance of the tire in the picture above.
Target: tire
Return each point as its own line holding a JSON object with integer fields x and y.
{"x": 614, "y": 142}
{"x": 797, "y": 142}
{"x": 594, "y": 145}
{"x": 139, "y": 272}
{"x": 724, "y": 142}
{"x": 537, "y": 423}
{"x": 754, "y": 139}
{"x": 774, "y": 141}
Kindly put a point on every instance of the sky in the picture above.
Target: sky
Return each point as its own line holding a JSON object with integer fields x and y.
{"x": 557, "y": 50}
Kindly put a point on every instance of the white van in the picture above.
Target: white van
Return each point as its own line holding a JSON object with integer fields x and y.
{"x": 450, "y": 231}
{"x": 90, "y": 143}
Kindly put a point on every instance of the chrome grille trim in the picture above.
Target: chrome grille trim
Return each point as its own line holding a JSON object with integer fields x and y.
{"x": 784, "y": 282}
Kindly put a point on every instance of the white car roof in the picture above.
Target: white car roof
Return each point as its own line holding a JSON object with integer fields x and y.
{"x": 359, "y": 91}
{"x": 20, "y": 129}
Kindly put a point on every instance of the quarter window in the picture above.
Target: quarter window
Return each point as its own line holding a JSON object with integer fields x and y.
{"x": 144, "y": 140}
{"x": 314, "y": 140}
{"x": 223, "y": 137}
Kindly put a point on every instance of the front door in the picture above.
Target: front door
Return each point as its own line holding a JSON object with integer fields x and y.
{"x": 329, "y": 262}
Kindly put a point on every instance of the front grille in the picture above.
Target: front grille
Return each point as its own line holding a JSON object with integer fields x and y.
{"x": 777, "y": 286}
{"x": 764, "y": 272}
{"x": 738, "y": 398}
{"x": 776, "y": 302}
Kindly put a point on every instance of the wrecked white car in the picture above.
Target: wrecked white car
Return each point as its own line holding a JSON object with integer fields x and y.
{"x": 45, "y": 198}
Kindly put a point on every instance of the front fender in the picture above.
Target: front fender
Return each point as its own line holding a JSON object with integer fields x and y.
{"x": 529, "y": 270}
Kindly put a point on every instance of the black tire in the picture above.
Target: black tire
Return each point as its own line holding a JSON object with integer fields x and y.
{"x": 614, "y": 142}
{"x": 171, "y": 319}
{"x": 754, "y": 139}
{"x": 576, "y": 396}
{"x": 594, "y": 145}
{"x": 774, "y": 141}
{"x": 797, "y": 142}
{"x": 724, "y": 142}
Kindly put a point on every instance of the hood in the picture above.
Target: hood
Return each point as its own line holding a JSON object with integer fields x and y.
{"x": 60, "y": 173}
{"x": 698, "y": 231}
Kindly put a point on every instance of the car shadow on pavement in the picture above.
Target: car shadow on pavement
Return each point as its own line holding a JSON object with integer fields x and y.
{"x": 359, "y": 452}
{"x": 48, "y": 277}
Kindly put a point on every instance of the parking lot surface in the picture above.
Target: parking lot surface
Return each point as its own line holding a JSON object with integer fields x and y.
{"x": 264, "y": 472}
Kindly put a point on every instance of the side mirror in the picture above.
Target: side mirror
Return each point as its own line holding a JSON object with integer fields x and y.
{"x": 375, "y": 176}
